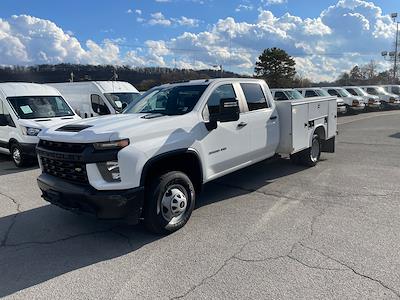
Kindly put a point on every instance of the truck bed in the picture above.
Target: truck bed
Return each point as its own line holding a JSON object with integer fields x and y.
{"x": 300, "y": 118}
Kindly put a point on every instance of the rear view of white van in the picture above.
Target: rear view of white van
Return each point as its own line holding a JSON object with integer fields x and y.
{"x": 25, "y": 110}
{"x": 96, "y": 98}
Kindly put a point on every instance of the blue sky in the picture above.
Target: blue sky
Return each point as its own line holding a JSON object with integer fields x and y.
{"x": 196, "y": 33}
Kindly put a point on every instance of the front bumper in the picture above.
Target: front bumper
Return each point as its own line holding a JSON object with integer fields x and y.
{"x": 341, "y": 109}
{"x": 358, "y": 107}
{"x": 118, "y": 204}
{"x": 28, "y": 149}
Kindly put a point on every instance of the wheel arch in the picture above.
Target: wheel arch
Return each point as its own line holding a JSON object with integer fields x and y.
{"x": 185, "y": 160}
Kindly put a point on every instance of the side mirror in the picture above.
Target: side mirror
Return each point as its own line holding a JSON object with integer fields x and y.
{"x": 4, "y": 121}
{"x": 229, "y": 111}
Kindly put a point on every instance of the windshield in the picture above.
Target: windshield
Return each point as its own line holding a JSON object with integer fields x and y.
{"x": 177, "y": 100}
{"x": 292, "y": 95}
{"x": 360, "y": 91}
{"x": 343, "y": 93}
{"x": 35, "y": 107}
{"x": 381, "y": 90}
{"x": 396, "y": 89}
{"x": 322, "y": 93}
{"x": 118, "y": 99}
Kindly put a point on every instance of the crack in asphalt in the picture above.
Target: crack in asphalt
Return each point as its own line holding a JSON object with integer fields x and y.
{"x": 378, "y": 281}
{"x": 224, "y": 264}
{"x": 14, "y": 218}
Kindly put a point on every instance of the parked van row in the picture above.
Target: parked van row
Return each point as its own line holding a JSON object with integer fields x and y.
{"x": 350, "y": 99}
{"x": 28, "y": 108}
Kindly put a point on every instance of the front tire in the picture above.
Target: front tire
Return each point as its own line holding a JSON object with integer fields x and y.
{"x": 170, "y": 200}
{"x": 19, "y": 159}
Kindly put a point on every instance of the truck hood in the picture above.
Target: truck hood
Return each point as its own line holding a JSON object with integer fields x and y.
{"x": 108, "y": 128}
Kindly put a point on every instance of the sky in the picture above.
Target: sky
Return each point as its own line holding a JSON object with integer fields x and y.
{"x": 325, "y": 37}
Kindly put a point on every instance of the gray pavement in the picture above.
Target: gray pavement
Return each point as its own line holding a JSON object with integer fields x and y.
{"x": 271, "y": 231}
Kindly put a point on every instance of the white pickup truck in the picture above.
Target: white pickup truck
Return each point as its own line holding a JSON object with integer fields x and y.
{"x": 150, "y": 162}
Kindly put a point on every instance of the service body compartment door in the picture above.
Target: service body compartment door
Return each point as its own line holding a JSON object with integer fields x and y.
{"x": 300, "y": 127}
{"x": 332, "y": 119}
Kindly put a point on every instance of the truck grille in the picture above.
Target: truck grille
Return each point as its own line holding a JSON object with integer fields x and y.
{"x": 72, "y": 171}
{"x": 62, "y": 147}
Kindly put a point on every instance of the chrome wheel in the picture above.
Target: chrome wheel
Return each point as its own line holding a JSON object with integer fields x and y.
{"x": 16, "y": 154}
{"x": 174, "y": 204}
{"x": 315, "y": 150}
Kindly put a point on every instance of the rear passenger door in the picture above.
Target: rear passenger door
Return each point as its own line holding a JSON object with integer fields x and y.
{"x": 262, "y": 121}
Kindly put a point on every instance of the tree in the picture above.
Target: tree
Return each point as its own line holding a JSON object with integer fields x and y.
{"x": 356, "y": 74}
{"x": 276, "y": 67}
{"x": 369, "y": 70}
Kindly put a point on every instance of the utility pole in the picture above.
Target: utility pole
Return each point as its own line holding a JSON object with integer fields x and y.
{"x": 394, "y": 16}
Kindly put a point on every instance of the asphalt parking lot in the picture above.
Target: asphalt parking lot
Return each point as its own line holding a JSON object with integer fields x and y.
{"x": 271, "y": 231}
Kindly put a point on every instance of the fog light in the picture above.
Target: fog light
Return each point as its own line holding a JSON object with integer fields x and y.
{"x": 110, "y": 171}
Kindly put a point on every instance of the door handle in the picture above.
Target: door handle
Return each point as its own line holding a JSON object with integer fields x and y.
{"x": 242, "y": 124}
{"x": 273, "y": 117}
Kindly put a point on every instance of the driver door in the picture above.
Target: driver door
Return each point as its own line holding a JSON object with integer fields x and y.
{"x": 226, "y": 147}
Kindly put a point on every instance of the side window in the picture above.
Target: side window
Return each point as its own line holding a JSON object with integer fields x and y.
{"x": 311, "y": 93}
{"x": 333, "y": 93}
{"x": 353, "y": 92}
{"x": 254, "y": 96}
{"x": 98, "y": 105}
{"x": 371, "y": 91}
{"x": 225, "y": 91}
{"x": 279, "y": 96}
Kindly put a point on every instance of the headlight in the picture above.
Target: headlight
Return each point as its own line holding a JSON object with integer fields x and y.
{"x": 391, "y": 100}
{"x": 372, "y": 101}
{"x": 31, "y": 131}
{"x": 111, "y": 145}
{"x": 356, "y": 103}
{"x": 110, "y": 171}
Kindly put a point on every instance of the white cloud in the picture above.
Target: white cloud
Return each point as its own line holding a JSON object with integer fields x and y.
{"x": 274, "y": 2}
{"x": 188, "y": 22}
{"x": 129, "y": 11}
{"x": 244, "y": 7}
{"x": 159, "y": 19}
{"x": 138, "y": 11}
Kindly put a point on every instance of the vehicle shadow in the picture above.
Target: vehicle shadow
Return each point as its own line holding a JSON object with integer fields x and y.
{"x": 46, "y": 242}
{"x": 7, "y": 166}
{"x": 247, "y": 180}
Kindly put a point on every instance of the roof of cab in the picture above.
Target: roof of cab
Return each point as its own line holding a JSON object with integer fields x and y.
{"x": 20, "y": 89}
{"x": 282, "y": 90}
{"x": 209, "y": 81}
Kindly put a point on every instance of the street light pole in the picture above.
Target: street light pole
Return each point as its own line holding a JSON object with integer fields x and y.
{"x": 396, "y": 51}
{"x": 394, "y": 17}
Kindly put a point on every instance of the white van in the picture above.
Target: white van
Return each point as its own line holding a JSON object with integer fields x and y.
{"x": 94, "y": 98}
{"x": 25, "y": 110}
